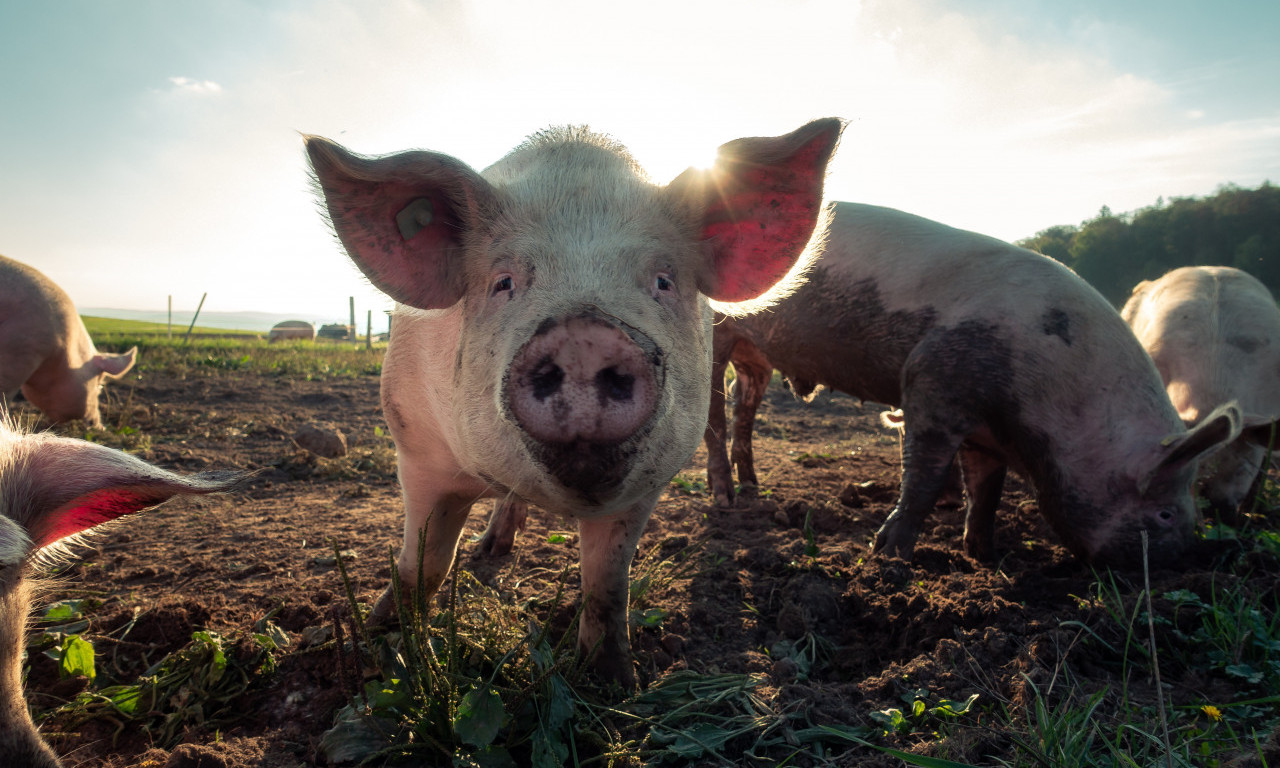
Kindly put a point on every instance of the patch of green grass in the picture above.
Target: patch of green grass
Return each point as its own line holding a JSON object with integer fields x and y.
{"x": 213, "y": 356}
{"x": 198, "y": 685}
{"x": 103, "y": 326}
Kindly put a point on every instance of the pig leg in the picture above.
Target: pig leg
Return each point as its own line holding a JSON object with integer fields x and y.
{"x": 442, "y": 515}
{"x": 719, "y": 473}
{"x": 499, "y": 538}
{"x": 945, "y": 379}
{"x": 608, "y": 546}
{"x": 984, "y": 475}
{"x": 753, "y": 371}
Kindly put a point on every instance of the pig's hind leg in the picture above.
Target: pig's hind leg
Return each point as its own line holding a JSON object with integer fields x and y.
{"x": 947, "y": 387}
{"x": 984, "y": 474}
{"x": 753, "y": 372}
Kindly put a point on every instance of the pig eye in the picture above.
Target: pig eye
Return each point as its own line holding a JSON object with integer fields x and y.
{"x": 662, "y": 283}
{"x": 504, "y": 284}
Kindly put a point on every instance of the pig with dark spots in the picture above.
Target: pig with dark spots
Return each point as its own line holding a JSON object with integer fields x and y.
{"x": 552, "y": 343}
{"x": 45, "y": 351}
{"x": 53, "y": 490}
{"x": 1214, "y": 334}
{"x": 997, "y": 355}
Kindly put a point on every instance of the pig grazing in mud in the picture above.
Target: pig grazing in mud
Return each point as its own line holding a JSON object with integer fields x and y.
{"x": 45, "y": 350}
{"x": 1214, "y": 334}
{"x": 52, "y": 488}
{"x": 553, "y": 342}
{"x": 997, "y": 354}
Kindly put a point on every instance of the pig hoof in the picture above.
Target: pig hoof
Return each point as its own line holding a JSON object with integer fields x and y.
{"x": 384, "y": 610}
{"x": 892, "y": 544}
{"x": 494, "y": 545}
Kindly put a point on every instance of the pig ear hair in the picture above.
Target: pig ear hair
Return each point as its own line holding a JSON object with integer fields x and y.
{"x": 116, "y": 366}
{"x": 1219, "y": 428}
{"x": 54, "y": 488}
{"x": 759, "y": 206}
{"x": 403, "y": 218}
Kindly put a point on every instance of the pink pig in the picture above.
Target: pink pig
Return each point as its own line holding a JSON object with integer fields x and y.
{"x": 553, "y": 343}
{"x": 45, "y": 350}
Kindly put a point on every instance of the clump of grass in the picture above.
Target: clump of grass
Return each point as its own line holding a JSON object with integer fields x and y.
{"x": 197, "y": 685}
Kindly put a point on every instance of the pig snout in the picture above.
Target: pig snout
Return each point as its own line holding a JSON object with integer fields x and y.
{"x": 583, "y": 380}
{"x": 580, "y": 388}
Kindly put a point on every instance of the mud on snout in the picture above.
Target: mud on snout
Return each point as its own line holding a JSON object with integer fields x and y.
{"x": 584, "y": 392}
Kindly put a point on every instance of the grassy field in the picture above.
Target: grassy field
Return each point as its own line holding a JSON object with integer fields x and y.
{"x": 106, "y": 326}
{"x": 211, "y": 350}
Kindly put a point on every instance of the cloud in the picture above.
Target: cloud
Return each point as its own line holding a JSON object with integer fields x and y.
{"x": 188, "y": 85}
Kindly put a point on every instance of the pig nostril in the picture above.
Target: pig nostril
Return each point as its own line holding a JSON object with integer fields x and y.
{"x": 546, "y": 379}
{"x": 613, "y": 385}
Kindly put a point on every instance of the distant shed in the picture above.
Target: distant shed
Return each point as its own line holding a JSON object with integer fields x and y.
{"x": 292, "y": 329}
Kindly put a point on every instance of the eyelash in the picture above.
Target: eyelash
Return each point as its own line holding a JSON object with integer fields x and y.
{"x": 503, "y": 284}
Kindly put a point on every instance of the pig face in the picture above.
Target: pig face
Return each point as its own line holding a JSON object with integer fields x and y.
{"x": 579, "y": 291}
{"x": 74, "y": 394}
{"x": 52, "y": 490}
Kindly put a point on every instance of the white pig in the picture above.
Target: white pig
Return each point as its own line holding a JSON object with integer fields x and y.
{"x": 53, "y": 489}
{"x": 1000, "y": 354}
{"x": 1214, "y": 333}
{"x": 45, "y": 350}
{"x": 563, "y": 357}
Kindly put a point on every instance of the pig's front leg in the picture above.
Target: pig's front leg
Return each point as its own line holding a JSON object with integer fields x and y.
{"x": 442, "y": 515}
{"x": 608, "y": 546}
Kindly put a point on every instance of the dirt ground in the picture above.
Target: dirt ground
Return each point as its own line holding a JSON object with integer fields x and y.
{"x": 791, "y": 566}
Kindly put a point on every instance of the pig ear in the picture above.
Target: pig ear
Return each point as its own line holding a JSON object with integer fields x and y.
{"x": 1219, "y": 428}
{"x": 115, "y": 366}
{"x": 1262, "y": 430}
{"x": 758, "y": 206}
{"x": 402, "y": 217}
{"x": 55, "y": 487}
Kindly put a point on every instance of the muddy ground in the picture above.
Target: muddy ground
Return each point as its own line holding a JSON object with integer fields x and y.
{"x": 793, "y": 565}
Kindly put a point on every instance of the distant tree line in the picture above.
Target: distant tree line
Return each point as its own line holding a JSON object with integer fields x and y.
{"x": 1234, "y": 228}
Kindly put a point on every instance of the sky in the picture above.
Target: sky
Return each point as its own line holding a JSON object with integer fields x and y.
{"x": 151, "y": 149}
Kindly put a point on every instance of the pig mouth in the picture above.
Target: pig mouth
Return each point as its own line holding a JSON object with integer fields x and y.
{"x": 594, "y": 471}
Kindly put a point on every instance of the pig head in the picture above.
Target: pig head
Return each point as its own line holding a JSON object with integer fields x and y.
{"x": 45, "y": 350}
{"x": 51, "y": 490}
{"x": 1214, "y": 334}
{"x": 553, "y": 338}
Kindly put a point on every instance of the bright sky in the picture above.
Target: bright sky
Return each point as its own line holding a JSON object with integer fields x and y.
{"x": 152, "y": 147}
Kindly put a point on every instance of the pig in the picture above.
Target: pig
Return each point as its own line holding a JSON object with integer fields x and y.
{"x": 52, "y": 491}
{"x": 996, "y": 354}
{"x": 1214, "y": 334}
{"x": 45, "y": 350}
{"x": 552, "y": 338}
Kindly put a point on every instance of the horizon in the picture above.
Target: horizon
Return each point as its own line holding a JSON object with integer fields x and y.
{"x": 996, "y": 116}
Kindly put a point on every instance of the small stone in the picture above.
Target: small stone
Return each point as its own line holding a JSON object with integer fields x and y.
{"x": 325, "y": 442}
{"x": 850, "y": 497}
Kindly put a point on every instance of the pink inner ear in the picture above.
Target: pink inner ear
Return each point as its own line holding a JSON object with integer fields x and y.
{"x": 760, "y": 219}
{"x": 91, "y": 510}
